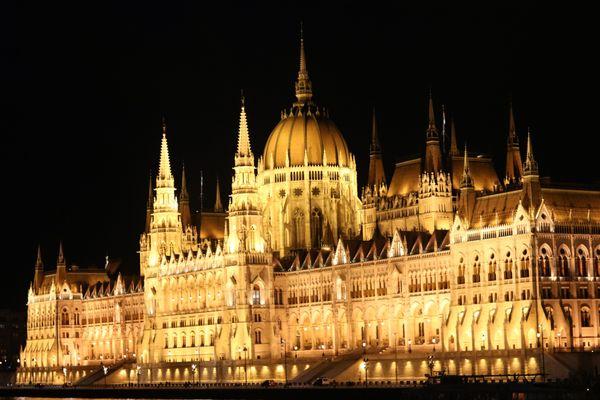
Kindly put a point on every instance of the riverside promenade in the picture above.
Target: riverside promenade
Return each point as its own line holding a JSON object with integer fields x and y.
{"x": 461, "y": 390}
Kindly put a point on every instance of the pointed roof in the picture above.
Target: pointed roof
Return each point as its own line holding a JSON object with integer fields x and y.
{"x": 243, "y": 147}
{"x": 61, "y": 258}
{"x": 375, "y": 146}
{"x": 513, "y": 140}
{"x": 453, "y": 141}
{"x": 218, "y": 204}
{"x": 184, "y": 196}
{"x": 164, "y": 169}
{"x": 303, "y": 83}
{"x": 466, "y": 181}
{"x": 530, "y": 167}
{"x": 39, "y": 264}
{"x": 432, "y": 132}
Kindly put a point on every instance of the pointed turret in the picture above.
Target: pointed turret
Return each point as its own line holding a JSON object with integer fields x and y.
{"x": 184, "y": 202}
{"x": 38, "y": 276}
{"x": 149, "y": 204}
{"x": 376, "y": 171}
{"x": 244, "y": 155}
{"x": 466, "y": 180}
{"x": 433, "y": 155}
{"x": 453, "y": 141}
{"x": 514, "y": 166}
{"x": 532, "y": 190}
{"x": 218, "y": 204}
{"x": 466, "y": 199}
{"x": 303, "y": 83}
{"x": 61, "y": 266}
{"x": 164, "y": 169}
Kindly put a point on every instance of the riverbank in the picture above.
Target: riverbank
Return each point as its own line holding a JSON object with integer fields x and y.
{"x": 507, "y": 390}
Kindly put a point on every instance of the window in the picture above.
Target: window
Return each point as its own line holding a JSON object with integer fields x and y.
{"x": 544, "y": 263}
{"x": 585, "y": 317}
{"x": 581, "y": 262}
{"x": 565, "y": 293}
{"x": 256, "y": 295}
{"x": 546, "y": 293}
{"x": 257, "y": 337}
{"x": 583, "y": 292}
{"x": 563, "y": 264}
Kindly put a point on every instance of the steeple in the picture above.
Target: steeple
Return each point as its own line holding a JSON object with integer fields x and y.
{"x": 38, "y": 276}
{"x": 453, "y": 142}
{"x": 244, "y": 155}
{"x": 218, "y": 204}
{"x": 164, "y": 169}
{"x": 184, "y": 202}
{"x": 303, "y": 83}
{"x": 376, "y": 171}
{"x": 530, "y": 167}
{"x": 531, "y": 196}
{"x": 514, "y": 166}
{"x": 466, "y": 180}
{"x": 60, "y": 260}
{"x": 433, "y": 154}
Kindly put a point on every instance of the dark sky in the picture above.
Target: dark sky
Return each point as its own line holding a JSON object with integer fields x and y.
{"x": 85, "y": 88}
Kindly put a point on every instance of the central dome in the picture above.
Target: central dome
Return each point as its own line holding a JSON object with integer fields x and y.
{"x": 310, "y": 133}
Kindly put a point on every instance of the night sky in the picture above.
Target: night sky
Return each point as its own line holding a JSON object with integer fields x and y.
{"x": 85, "y": 87}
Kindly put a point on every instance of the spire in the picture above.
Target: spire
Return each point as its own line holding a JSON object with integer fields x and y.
{"x": 39, "y": 264}
{"x": 150, "y": 193}
{"x": 164, "y": 170}
{"x": 184, "y": 202}
{"x": 244, "y": 152}
{"x": 433, "y": 154}
{"x": 432, "y": 133}
{"x": 375, "y": 146}
{"x": 303, "y": 83}
{"x": 513, "y": 140}
{"x": 184, "y": 192}
{"x": 60, "y": 261}
{"x": 514, "y": 166}
{"x": 376, "y": 171}
{"x": 530, "y": 167}
{"x": 466, "y": 181}
{"x": 218, "y": 205}
{"x": 453, "y": 141}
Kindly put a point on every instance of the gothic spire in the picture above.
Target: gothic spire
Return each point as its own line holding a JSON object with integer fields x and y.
{"x": 164, "y": 170}
{"x": 432, "y": 133}
{"x": 514, "y": 166}
{"x": 183, "y": 196}
{"x": 39, "y": 264}
{"x": 218, "y": 203}
{"x": 244, "y": 154}
{"x": 303, "y": 83}
{"x": 375, "y": 146}
{"x": 453, "y": 141}
{"x": 530, "y": 167}
{"x": 513, "y": 140}
{"x": 466, "y": 181}
{"x": 61, "y": 257}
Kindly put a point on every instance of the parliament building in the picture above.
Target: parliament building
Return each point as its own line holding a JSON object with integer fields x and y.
{"x": 447, "y": 256}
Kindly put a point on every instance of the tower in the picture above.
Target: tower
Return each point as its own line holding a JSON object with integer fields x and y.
{"x": 244, "y": 213}
{"x": 61, "y": 266}
{"x": 218, "y": 204}
{"x": 514, "y": 167}
{"x": 376, "y": 171}
{"x": 149, "y": 204}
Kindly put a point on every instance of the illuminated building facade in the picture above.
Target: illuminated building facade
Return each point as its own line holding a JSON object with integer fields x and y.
{"x": 445, "y": 255}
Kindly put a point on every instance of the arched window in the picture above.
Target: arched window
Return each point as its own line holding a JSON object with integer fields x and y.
{"x": 193, "y": 339}
{"x": 544, "y": 263}
{"x": 298, "y": 228}
{"x": 508, "y": 266}
{"x": 585, "y": 317}
{"x": 492, "y": 268}
{"x": 256, "y": 295}
{"x": 597, "y": 261}
{"x": 581, "y": 262}
{"x": 64, "y": 320}
{"x": 524, "y": 265}
{"x": 476, "y": 270}
{"x": 316, "y": 227}
{"x": 461, "y": 272}
{"x": 174, "y": 340}
{"x": 563, "y": 263}
{"x": 257, "y": 337}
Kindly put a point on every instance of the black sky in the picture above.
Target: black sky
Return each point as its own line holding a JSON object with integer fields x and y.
{"x": 85, "y": 88}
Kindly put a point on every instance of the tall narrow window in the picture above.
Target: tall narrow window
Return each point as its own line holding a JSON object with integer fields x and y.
{"x": 316, "y": 227}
